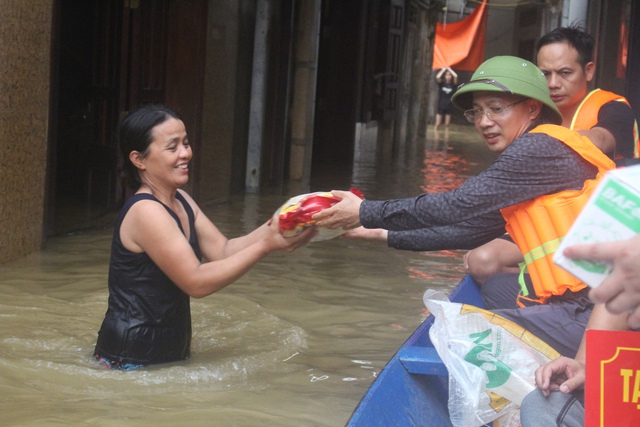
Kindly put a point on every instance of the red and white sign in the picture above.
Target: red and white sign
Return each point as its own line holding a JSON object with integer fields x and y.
{"x": 612, "y": 385}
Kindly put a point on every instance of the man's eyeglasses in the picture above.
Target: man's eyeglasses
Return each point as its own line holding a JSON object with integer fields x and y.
{"x": 475, "y": 114}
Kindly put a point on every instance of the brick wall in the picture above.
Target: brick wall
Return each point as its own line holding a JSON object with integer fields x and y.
{"x": 25, "y": 46}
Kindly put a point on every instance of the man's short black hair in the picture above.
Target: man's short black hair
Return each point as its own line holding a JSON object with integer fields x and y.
{"x": 576, "y": 37}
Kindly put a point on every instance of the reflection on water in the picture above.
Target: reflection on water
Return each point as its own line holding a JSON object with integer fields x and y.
{"x": 443, "y": 162}
{"x": 296, "y": 342}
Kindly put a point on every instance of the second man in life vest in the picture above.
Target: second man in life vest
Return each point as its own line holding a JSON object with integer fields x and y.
{"x": 565, "y": 56}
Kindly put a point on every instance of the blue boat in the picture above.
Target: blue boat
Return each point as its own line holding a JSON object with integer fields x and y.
{"x": 413, "y": 388}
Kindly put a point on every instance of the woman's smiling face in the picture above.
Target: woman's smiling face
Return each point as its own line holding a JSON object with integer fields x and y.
{"x": 169, "y": 154}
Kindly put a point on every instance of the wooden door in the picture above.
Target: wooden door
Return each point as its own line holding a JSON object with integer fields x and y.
{"x": 394, "y": 50}
{"x": 85, "y": 112}
{"x": 115, "y": 55}
{"x": 162, "y": 61}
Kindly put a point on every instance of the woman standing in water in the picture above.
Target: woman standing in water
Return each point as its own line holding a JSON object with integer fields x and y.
{"x": 447, "y": 80}
{"x": 159, "y": 239}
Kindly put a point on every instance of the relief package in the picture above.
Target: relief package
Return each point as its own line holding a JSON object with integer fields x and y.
{"x": 612, "y": 213}
{"x": 295, "y": 214}
{"x": 491, "y": 361}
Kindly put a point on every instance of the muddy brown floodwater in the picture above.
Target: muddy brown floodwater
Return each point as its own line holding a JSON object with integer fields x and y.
{"x": 296, "y": 342}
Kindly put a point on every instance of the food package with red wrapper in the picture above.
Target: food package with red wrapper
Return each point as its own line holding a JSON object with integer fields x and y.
{"x": 295, "y": 215}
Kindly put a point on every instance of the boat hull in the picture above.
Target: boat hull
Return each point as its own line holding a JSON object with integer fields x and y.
{"x": 413, "y": 388}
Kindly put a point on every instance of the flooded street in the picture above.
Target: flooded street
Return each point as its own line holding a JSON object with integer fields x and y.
{"x": 295, "y": 342}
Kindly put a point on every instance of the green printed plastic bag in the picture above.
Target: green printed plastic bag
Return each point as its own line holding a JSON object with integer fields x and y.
{"x": 491, "y": 361}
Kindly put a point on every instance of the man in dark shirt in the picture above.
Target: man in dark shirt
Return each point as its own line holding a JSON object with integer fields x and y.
{"x": 510, "y": 98}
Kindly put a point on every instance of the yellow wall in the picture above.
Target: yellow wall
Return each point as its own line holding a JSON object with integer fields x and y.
{"x": 25, "y": 44}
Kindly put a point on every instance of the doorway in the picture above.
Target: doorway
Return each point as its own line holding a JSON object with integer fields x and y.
{"x": 82, "y": 173}
{"x": 112, "y": 56}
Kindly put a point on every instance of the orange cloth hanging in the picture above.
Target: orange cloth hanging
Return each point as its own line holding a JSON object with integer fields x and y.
{"x": 460, "y": 45}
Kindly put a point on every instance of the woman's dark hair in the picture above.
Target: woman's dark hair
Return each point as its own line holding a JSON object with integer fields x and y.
{"x": 135, "y": 133}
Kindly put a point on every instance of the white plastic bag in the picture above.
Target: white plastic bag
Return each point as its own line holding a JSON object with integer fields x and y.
{"x": 491, "y": 361}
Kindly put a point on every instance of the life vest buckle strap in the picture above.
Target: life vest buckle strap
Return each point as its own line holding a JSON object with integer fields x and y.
{"x": 547, "y": 248}
{"x": 523, "y": 286}
{"x": 522, "y": 297}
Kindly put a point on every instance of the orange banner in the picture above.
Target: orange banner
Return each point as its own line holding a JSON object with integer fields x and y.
{"x": 460, "y": 45}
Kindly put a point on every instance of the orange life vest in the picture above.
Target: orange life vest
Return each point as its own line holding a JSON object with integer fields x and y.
{"x": 538, "y": 226}
{"x": 586, "y": 116}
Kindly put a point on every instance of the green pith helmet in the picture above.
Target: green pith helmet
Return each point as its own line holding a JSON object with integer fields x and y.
{"x": 508, "y": 74}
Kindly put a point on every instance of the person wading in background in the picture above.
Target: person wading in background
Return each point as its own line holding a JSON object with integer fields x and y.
{"x": 447, "y": 81}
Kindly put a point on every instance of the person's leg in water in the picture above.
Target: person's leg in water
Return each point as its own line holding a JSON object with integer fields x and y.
{"x": 498, "y": 256}
{"x": 438, "y": 121}
{"x": 447, "y": 120}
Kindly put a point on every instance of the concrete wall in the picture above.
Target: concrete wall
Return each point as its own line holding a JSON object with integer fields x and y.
{"x": 500, "y": 39}
{"x": 25, "y": 39}
{"x": 304, "y": 95}
{"x": 219, "y": 101}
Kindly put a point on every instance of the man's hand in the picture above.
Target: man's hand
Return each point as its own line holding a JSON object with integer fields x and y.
{"x": 620, "y": 292}
{"x": 366, "y": 234}
{"x": 562, "y": 374}
{"x": 344, "y": 214}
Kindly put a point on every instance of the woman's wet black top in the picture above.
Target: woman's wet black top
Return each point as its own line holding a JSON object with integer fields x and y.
{"x": 149, "y": 318}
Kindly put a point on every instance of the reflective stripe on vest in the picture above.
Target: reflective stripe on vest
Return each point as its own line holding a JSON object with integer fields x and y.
{"x": 586, "y": 116}
{"x": 537, "y": 226}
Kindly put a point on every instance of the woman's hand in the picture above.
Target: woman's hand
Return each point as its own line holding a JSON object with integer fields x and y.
{"x": 277, "y": 242}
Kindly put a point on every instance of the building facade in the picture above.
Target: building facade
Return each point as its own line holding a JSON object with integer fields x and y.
{"x": 271, "y": 91}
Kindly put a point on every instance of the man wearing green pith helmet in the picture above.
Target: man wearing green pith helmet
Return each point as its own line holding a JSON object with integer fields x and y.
{"x": 541, "y": 168}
